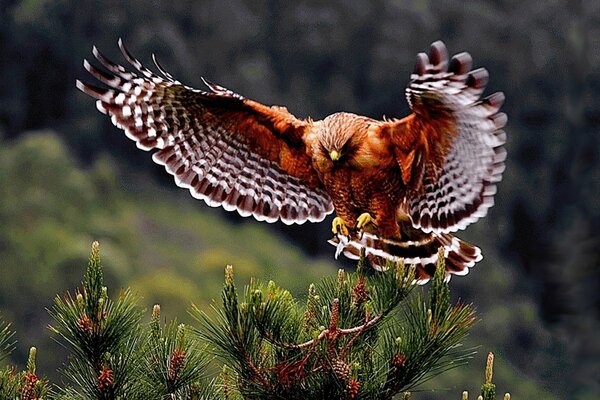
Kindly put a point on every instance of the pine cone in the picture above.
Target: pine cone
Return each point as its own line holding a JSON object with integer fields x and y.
{"x": 340, "y": 369}
{"x": 28, "y": 391}
{"x": 398, "y": 361}
{"x": 85, "y": 324}
{"x": 176, "y": 364}
{"x": 360, "y": 292}
{"x": 105, "y": 379}
{"x": 352, "y": 388}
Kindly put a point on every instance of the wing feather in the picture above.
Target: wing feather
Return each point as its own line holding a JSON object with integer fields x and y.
{"x": 227, "y": 150}
{"x": 450, "y": 148}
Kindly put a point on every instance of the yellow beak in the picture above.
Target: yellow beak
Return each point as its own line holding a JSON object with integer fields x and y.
{"x": 334, "y": 155}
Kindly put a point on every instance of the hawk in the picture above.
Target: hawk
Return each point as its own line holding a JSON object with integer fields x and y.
{"x": 399, "y": 187}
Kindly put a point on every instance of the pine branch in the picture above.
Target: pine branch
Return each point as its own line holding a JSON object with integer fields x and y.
{"x": 104, "y": 336}
{"x": 7, "y": 343}
{"x": 488, "y": 389}
{"x": 424, "y": 344}
{"x": 175, "y": 364}
{"x": 347, "y": 342}
{"x": 26, "y": 385}
{"x": 235, "y": 339}
{"x": 357, "y": 336}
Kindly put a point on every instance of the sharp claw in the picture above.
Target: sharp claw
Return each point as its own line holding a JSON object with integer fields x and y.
{"x": 343, "y": 241}
{"x": 338, "y": 226}
{"x": 364, "y": 219}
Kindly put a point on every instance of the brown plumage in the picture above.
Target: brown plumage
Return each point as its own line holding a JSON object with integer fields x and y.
{"x": 419, "y": 178}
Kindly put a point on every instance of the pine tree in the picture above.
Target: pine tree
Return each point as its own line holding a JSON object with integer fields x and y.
{"x": 15, "y": 385}
{"x": 360, "y": 335}
{"x": 175, "y": 363}
{"x": 114, "y": 356}
{"x": 104, "y": 336}
{"x": 9, "y": 379}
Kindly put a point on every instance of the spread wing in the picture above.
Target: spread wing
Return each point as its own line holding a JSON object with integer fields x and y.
{"x": 450, "y": 149}
{"x": 227, "y": 150}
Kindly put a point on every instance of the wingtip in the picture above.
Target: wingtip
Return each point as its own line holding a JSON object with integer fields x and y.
{"x": 438, "y": 53}
{"x": 98, "y": 54}
{"x": 213, "y": 87}
{"x": 421, "y": 64}
{"x": 86, "y": 64}
{"x": 80, "y": 85}
{"x": 121, "y": 45}
{"x": 461, "y": 63}
{"x": 439, "y": 44}
{"x": 91, "y": 90}
{"x": 160, "y": 68}
{"x": 496, "y": 99}
{"x": 500, "y": 120}
{"x": 124, "y": 50}
{"x": 88, "y": 89}
{"x": 208, "y": 83}
{"x": 478, "y": 78}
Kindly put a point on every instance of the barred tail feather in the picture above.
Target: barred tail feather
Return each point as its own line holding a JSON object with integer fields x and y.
{"x": 460, "y": 255}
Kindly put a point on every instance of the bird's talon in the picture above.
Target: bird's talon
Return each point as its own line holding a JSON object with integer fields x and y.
{"x": 338, "y": 226}
{"x": 364, "y": 219}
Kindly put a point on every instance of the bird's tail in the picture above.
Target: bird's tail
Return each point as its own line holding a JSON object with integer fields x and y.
{"x": 423, "y": 252}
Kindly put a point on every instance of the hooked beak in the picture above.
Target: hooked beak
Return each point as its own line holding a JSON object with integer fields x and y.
{"x": 334, "y": 155}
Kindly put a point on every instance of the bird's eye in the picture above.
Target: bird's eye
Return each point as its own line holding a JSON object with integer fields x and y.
{"x": 323, "y": 148}
{"x": 347, "y": 148}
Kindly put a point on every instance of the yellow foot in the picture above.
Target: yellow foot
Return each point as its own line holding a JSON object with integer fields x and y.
{"x": 364, "y": 219}
{"x": 339, "y": 226}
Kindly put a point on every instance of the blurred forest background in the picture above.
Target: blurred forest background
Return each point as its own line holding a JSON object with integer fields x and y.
{"x": 68, "y": 177}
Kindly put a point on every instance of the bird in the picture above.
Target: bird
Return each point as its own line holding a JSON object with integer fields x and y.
{"x": 400, "y": 187}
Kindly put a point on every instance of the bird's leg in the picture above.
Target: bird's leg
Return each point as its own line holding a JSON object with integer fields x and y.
{"x": 338, "y": 226}
{"x": 365, "y": 219}
{"x": 364, "y": 222}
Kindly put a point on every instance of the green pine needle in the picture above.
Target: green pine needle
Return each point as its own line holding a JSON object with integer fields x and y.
{"x": 103, "y": 334}
{"x": 7, "y": 342}
{"x": 361, "y": 335}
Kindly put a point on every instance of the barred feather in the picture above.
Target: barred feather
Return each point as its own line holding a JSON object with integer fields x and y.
{"x": 422, "y": 177}
{"x": 215, "y": 157}
{"x": 450, "y": 155}
{"x": 423, "y": 252}
{"x": 458, "y": 181}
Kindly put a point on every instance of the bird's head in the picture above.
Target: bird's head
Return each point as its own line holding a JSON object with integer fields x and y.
{"x": 337, "y": 137}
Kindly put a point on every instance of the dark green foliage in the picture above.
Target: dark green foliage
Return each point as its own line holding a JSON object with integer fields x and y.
{"x": 357, "y": 337}
{"x": 104, "y": 336}
{"x": 114, "y": 356}
{"x": 175, "y": 363}
{"x": 24, "y": 385}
